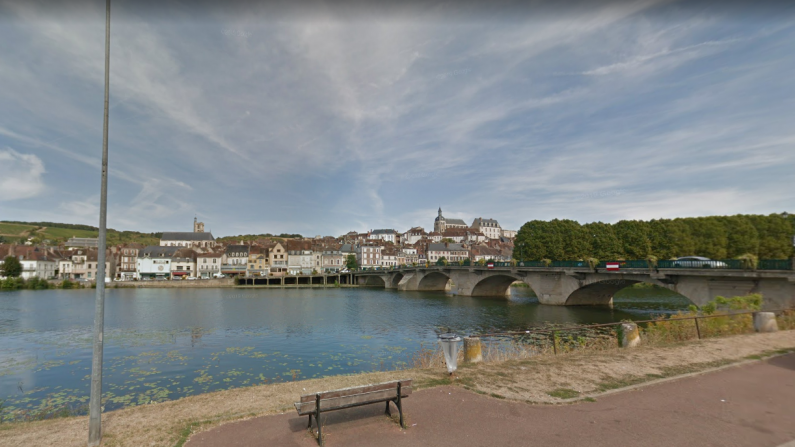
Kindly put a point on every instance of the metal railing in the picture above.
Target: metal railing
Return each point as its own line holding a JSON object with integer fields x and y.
{"x": 731, "y": 264}
{"x": 774, "y": 264}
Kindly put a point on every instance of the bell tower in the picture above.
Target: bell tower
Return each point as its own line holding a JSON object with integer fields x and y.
{"x": 198, "y": 227}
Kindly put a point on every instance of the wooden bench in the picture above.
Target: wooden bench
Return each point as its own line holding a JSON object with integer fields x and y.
{"x": 314, "y": 404}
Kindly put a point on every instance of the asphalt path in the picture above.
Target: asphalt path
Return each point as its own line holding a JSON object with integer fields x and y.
{"x": 751, "y": 405}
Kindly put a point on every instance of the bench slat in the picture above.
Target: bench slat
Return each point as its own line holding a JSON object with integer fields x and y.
{"x": 356, "y": 390}
{"x": 336, "y": 403}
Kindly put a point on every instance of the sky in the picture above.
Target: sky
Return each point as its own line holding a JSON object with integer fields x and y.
{"x": 320, "y": 119}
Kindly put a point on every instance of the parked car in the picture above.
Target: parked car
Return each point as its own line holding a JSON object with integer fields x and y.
{"x": 219, "y": 275}
{"x": 191, "y": 278}
{"x": 698, "y": 262}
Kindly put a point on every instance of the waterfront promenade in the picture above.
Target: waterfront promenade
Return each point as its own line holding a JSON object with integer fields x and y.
{"x": 749, "y": 405}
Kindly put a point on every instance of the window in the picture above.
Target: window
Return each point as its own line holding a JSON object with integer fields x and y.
{"x": 89, "y": 265}
{"x": 214, "y": 260}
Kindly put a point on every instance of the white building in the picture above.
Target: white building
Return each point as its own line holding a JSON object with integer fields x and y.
{"x": 39, "y": 265}
{"x": 489, "y": 227}
{"x": 235, "y": 260}
{"x": 384, "y": 235}
{"x": 300, "y": 257}
{"x": 413, "y": 235}
{"x": 511, "y": 234}
{"x": 155, "y": 262}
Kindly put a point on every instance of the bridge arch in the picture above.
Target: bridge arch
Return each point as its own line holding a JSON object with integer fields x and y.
{"x": 375, "y": 281}
{"x": 495, "y": 285}
{"x": 601, "y": 292}
{"x": 433, "y": 281}
{"x": 396, "y": 280}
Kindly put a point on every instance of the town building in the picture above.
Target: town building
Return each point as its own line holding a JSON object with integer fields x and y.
{"x": 183, "y": 263}
{"x": 126, "y": 261}
{"x": 489, "y": 227}
{"x": 82, "y": 242}
{"x": 299, "y": 257}
{"x": 208, "y": 265}
{"x": 187, "y": 239}
{"x": 451, "y": 252}
{"x": 154, "y": 262}
{"x": 258, "y": 261}
{"x": 389, "y": 257}
{"x": 509, "y": 234}
{"x": 332, "y": 258}
{"x": 368, "y": 255}
{"x": 235, "y": 260}
{"x": 413, "y": 235}
{"x": 457, "y": 235}
{"x": 37, "y": 264}
{"x": 385, "y": 235}
{"x": 278, "y": 260}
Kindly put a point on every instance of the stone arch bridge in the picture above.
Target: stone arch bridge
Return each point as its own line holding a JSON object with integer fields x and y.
{"x": 586, "y": 286}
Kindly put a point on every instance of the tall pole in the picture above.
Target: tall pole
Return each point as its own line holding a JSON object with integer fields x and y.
{"x": 95, "y": 403}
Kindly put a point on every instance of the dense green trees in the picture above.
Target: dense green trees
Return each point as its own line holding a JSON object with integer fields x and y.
{"x": 11, "y": 267}
{"x": 351, "y": 263}
{"x": 716, "y": 237}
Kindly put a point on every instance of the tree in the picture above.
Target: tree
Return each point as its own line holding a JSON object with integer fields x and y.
{"x": 573, "y": 237}
{"x": 441, "y": 261}
{"x": 537, "y": 240}
{"x": 710, "y": 236}
{"x": 448, "y": 240}
{"x": 11, "y": 267}
{"x": 742, "y": 236}
{"x": 775, "y": 235}
{"x": 603, "y": 241}
{"x": 350, "y": 262}
{"x": 634, "y": 238}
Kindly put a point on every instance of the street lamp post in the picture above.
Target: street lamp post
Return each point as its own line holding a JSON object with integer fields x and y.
{"x": 95, "y": 402}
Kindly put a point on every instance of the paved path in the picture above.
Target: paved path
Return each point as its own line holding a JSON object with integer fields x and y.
{"x": 751, "y": 405}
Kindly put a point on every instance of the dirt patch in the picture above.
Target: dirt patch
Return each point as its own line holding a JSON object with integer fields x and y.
{"x": 168, "y": 423}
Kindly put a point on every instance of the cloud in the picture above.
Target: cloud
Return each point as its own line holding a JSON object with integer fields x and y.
{"x": 20, "y": 175}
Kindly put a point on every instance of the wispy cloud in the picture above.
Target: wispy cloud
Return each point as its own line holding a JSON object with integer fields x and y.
{"x": 341, "y": 118}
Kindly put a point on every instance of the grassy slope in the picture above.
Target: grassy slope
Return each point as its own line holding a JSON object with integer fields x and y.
{"x": 58, "y": 235}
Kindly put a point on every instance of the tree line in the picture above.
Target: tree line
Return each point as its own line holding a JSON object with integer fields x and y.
{"x": 715, "y": 237}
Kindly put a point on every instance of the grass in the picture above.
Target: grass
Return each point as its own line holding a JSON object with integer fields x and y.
{"x": 564, "y": 393}
{"x": 613, "y": 383}
{"x": 14, "y": 229}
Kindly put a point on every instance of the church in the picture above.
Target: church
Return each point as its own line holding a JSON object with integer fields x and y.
{"x": 441, "y": 224}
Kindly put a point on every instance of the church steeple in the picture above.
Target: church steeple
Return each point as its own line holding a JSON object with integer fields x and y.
{"x": 440, "y": 211}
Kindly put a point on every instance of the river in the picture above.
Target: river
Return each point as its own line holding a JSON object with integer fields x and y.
{"x": 163, "y": 344}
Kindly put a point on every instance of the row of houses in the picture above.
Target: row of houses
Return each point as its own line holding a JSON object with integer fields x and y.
{"x": 197, "y": 254}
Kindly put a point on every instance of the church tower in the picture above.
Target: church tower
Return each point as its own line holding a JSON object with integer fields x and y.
{"x": 198, "y": 227}
{"x": 439, "y": 223}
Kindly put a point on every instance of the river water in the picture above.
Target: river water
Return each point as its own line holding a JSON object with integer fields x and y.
{"x": 163, "y": 344}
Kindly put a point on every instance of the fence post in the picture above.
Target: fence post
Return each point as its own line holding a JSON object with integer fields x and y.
{"x": 765, "y": 322}
{"x": 698, "y": 330}
{"x": 555, "y": 342}
{"x": 628, "y": 335}
{"x": 472, "y": 350}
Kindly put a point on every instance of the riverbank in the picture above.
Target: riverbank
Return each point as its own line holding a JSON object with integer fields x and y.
{"x": 544, "y": 379}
